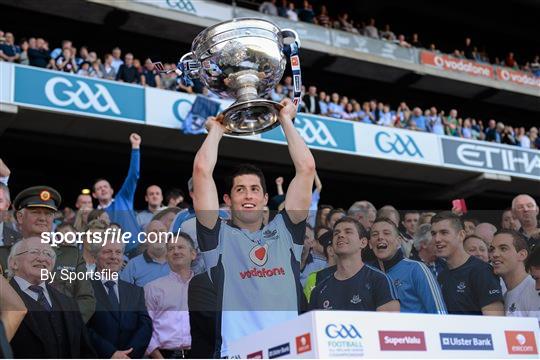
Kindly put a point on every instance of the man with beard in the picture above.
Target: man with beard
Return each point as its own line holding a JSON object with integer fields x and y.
{"x": 255, "y": 267}
{"x": 152, "y": 263}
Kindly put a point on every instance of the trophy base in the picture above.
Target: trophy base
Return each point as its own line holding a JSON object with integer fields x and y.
{"x": 251, "y": 117}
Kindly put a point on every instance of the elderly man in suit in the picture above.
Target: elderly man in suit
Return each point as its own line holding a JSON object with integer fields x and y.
{"x": 121, "y": 326}
{"x": 53, "y": 326}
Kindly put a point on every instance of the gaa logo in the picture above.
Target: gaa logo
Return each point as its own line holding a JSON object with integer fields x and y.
{"x": 388, "y": 143}
{"x": 315, "y": 132}
{"x": 62, "y": 92}
{"x": 341, "y": 331}
{"x": 182, "y": 5}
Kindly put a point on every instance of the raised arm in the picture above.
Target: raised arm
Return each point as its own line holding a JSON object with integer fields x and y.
{"x": 205, "y": 195}
{"x": 127, "y": 191}
{"x": 279, "y": 185}
{"x": 298, "y": 198}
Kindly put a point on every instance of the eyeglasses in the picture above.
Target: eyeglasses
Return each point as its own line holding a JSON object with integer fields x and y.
{"x": 36, "y": 252}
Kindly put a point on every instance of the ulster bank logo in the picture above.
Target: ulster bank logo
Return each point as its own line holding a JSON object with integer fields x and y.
{"x": 62, "y": 92}
{"x": 397, "y": 144}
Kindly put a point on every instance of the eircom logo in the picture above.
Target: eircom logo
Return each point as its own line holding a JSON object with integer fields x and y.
{"x": 521, "y": 342}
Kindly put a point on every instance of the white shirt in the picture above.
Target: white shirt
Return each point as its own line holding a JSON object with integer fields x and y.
{"x": 523, "y": 300}
{"x": 525, "y": 142}
{"x": 24, "y": 285}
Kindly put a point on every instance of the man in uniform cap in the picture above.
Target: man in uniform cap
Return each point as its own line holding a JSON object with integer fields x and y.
{"x": 35, "y": 208}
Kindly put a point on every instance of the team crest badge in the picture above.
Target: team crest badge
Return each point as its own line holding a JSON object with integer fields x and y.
{"x": 44, "y": 195}
{"x": 259, "y": 254}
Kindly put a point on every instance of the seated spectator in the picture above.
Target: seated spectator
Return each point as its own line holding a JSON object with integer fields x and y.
{"x": 387, "y": 34}
{"x": 39, "y": 55}
{"x": 323, "y": 19}
{"x": 8, "y": 50}
{"x": 509, "y": 252}
{"x": 127, "y": 71}
{"x": 269, "y": 8}
{"x": 96, "y": 70}
{"x": 345, "y": 24}
{"x": 120, "y": 327}
{"x": 53, "y": 326}
{"x": 291, "y": 12}
{"x": 306, "y": 13}
{"x": 370, "y": 30}
{"x": 152, "y": 263}
{"x": 107, "y": 68}
{"x": 167, "y": 302}
{"x": 149, "y": 75}
{"x": 352, "y": 274}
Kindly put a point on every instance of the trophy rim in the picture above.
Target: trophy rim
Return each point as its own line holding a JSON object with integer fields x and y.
{"x": 252, "y": 103}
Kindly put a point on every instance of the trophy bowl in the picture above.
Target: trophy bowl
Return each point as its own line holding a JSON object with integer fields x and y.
{"x": 241, "y": 59}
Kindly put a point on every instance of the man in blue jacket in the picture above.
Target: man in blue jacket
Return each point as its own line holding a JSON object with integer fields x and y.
{"x": 417, "y": 289}
{"x": 120, "y": 208}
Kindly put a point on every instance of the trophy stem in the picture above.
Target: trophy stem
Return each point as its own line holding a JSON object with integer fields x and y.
{"x": 245, "y": 82}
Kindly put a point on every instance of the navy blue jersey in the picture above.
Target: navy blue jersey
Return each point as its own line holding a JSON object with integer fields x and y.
{"x": 469, "y": 287}
{"x": 368, "y": 289}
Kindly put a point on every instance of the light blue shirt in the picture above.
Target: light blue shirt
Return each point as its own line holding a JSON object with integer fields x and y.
{"x": 142, "y": 269}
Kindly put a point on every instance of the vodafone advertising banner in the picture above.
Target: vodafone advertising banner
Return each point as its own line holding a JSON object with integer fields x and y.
{"x": 517, "y": 77}
{"x": 449, "y": 63}
{"x": 364, "y": 334}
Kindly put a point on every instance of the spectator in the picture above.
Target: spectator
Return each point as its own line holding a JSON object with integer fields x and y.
{"x": 150, "y": 76}
{"x": 419, "y": 119}
{"x": 523, "y": 139}
{"x": 23, "y": 55}
{"x": 53, "y": 326}
{"x": 535, "y": 66}
{"x": 277, "y": 93}
{"x": 469, "y": 225}
{"x": 386, "y": 118}
{"x": 535, "y": 139}
{"x": 269, "y": 8}
{"x": 370, "y": 30}
{"x": 335, "y": 109}
{"x": 452, "y": 123}
{"x": 333, "y": 216}
{"x": 485, "y": 231}
{"x": 415, "y": 41}
{"x": 323, "y": 19}
{"x": 313, "y": 258}
{"x": 173, "y": 197}
{"x": 167, "y": 216}
{"x": 509, "y": 221}
{"x": 466, "y": 129}
{"x": 345, "y": 24}
{"x": 128, "y": 72}
{"x": 85, "y": 69}
{"x": 283, "y": 8}
{"x": 66, "y": 62}
{"x": 509, "y": 253}
{"x": 120, "y": 209}
{"x": 510, "y": 61}
{"x": 425, "y": 250}
{"x": 306, "y": 13}
{"x": 416, "y": 287}
{"x": 107, "y": 68}
{"x": 491, "y": 132}
{"x": 291, "y": 12}
{"x": 402, "y": 42}
{"x": 387, "y": 34}
{"x": 468, "y": 51}
{"x": 468, "y": 284}
{"x": 410, "y": 223}
{"x": 167, "y": 302}
{"x": 533, "y": 265}
{"x": 346, "y": 289}
{"x": 116, "y": 61}
{"x": 39, "y": 56}
{"x": 120, "y": 327}
{"x": 508, "y": 136}
{"x": 476, "y": 246}
{"x": 8, "y": 50}
{"x": 311, "y": 101}
{"x": 526, "y": 210}
{"x": 154, "y": 199}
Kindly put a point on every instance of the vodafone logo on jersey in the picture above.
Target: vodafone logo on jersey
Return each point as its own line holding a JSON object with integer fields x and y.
{"x": 521, "y": 342}
{"x": 259, "y": 254}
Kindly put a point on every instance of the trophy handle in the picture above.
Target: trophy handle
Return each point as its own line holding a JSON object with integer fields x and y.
{"x": 290, "y": 36}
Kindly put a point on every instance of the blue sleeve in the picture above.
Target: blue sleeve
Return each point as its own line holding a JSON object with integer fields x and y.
{"x": 297, "y": 231}
{"x": 428, "y": 290}
{"x": 127, "y": 191}
{"x": 128, "y": 274}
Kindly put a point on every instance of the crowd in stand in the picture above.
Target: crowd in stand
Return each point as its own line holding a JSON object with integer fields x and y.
{"x": 306, "y": 13}
{"x": 155, "y": 298}
{"x": 85, "y": 62}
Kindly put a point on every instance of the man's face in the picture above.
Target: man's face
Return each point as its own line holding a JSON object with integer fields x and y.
{"x": 32, "y": 258}
{"x": 509, "y": 221}
{"x": 384, "y": 240}
{"x": 410, "y": 222}
{"x": 116, "y": 53}
{"x": 129, "y": 59}
{"x": 110, "y": 257}
{"x": 4, "y": 202}
{"x": 447, "y": 239}
{"x": 103, "y": 191}
{"x": 156, "y": 231}
{"x": 367, "y": 220}
{"x": 535, "y": 273}
{"x": 477, "y": 248}
{"x": 84, "y": 202}
{"x": 504, "y": 256}
{"x": 154, "y": 197}
{"x": 180, "y": 254}
{"x": 346, "y": 240}
{"x": 525, "y": 209}
{"x": 10, "y": 39}
{"x": 469, "y": 227}
{"x": 34, "y": 221}
{"x": 312, "y": 90}
{"x": 247, "y": 198}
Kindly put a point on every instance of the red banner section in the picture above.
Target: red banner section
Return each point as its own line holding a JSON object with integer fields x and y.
{"x": 449, "y": 63}
{"x": 517, "y": 77}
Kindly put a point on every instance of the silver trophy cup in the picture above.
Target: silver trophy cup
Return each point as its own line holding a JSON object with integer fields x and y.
{"x": 241, "y": 59}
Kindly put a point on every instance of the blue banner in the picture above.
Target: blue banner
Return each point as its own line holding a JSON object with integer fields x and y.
{"x": 319, "y": 132}
{"x": 66, "y": 92}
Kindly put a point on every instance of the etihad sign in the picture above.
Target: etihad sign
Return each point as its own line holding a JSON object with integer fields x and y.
{"x": 517, "y": 77}
{"x": 449, "y": 63}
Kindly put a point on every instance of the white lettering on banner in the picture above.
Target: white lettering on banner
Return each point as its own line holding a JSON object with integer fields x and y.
{"x": 519, "y": 78}
{"x": 74, "y": 97}
{"x": 483, "y": 156}
{"x": 461, "y": 65}
{"x": 402, "y": 340}
{"x": 318, "y": 133}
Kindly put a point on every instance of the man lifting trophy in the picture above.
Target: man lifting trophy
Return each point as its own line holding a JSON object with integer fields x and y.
{"x": 244, "y": 59}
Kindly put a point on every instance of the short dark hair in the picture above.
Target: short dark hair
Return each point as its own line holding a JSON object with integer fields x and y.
{"x": 410, "y": 212}
{"x": 188, "y": 239}
{"x": 518, "y": 240}
{"x": 455, "y": 221}
{"x": 362, "y": 232}
{"x": 94, "y": 215}
{"x": 388, "y": 221}
{"x": 244, "y": 169}
{"x": 161, "y": 214}
{"x": 467, "y": 238}
{"x": 173, "y": 194}
{"x": 534, "y": 258}
{"x": 471, "y": 220}
{"x": 96, "y": 181}
{"x": 334, "y": 211}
